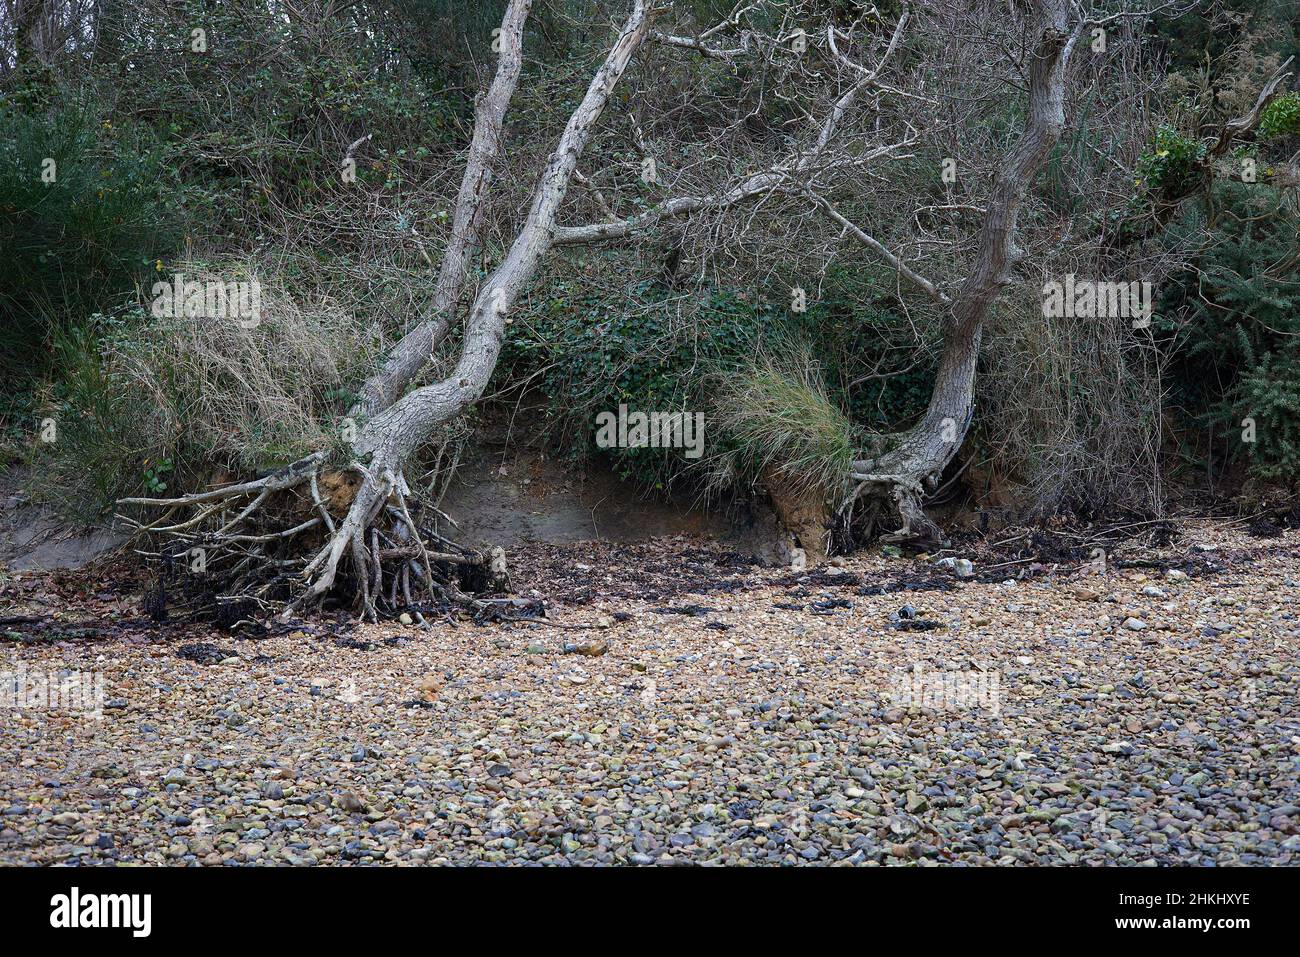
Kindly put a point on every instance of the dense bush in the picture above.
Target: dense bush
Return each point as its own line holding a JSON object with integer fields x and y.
{"x": 78, "y": 234}
{"x": 1172, "y": 166}
{"x": 587, "y": 352}
{"x": 1281, "y": 117}
{"x": 1235, "y": 329}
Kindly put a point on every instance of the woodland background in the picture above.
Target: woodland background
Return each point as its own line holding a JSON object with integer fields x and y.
{"x": 226, "y": 163}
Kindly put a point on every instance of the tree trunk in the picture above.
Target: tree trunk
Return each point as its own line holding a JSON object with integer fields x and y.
{"x": 415, "y": 349}
{"x": 912, "y": 462}
{"x": 387, "y": 440}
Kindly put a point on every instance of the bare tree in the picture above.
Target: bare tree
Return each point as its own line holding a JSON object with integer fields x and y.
{"x": 901, "y": 469}
{"x": 399, "y": 426}
{"x": 904, "y": 465}
{"x": 414, "y": 350}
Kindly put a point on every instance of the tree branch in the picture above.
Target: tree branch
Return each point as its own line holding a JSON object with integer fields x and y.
{"x": 411, "y": 353}
{"x": 925, "y": 285}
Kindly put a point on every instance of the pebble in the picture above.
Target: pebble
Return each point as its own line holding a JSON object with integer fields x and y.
{"x": 783, "y": 743}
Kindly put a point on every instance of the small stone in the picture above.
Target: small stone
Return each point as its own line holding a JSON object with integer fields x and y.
{"x": 350, "y": 802}
{"x": 961, "y": 567}
{"x": 430, "y": 686}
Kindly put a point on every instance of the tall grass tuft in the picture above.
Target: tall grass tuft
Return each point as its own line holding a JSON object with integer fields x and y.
{"x": 773, "y": 415}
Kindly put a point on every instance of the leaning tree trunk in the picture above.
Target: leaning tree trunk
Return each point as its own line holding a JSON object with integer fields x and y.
{"x": 388, "y": 440}
{"x": 415, "y": 349}
{"x": 911, "y": 463}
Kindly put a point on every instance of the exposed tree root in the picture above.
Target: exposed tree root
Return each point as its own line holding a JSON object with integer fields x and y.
{"x": 273, "y": 545}
{"x": 905, "y": 473}
{"x": 906, "y": 484}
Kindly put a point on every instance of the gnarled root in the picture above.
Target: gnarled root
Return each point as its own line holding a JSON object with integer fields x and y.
{"x": 274, "y": 542}
{"x": 905, "y": 476}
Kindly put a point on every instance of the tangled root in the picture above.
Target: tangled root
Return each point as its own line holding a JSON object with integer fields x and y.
{"x": 903, "y": 478}
{"x": 304, "y": 535}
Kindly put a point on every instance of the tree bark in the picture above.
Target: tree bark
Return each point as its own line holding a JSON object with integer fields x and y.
{"x": 27, "y": 20}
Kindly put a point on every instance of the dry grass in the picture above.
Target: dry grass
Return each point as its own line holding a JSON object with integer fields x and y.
{"x": 1069, "y": 415}
{"x": 776, "y": 415}
{"x": 249, "y": 397}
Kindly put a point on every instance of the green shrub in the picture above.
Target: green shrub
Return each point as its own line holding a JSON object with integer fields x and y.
{"x": 585, "y": 352}
{"x": 105, "y": 442}
{"x": 1235, "y": 328}
{"x": 1173, "y": 164}
{"x": 1281, "y": 117}
{"x": 1269, "y": 395}
{"x": 73, "y": 245}
{"x": 588, "y": 353}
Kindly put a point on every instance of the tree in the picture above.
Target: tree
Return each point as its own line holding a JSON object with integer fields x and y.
{"x": 399, "y": 420}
